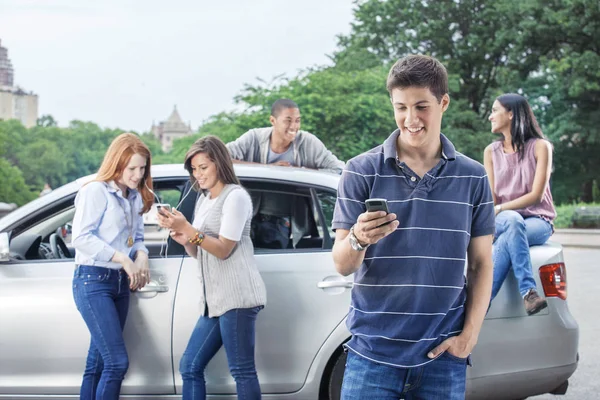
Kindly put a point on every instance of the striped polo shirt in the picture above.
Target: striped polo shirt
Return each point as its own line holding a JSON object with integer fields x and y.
{"x": 410, "y": 292}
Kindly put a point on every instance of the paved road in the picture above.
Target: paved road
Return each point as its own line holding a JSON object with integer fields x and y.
{"x": 583, "y": 275}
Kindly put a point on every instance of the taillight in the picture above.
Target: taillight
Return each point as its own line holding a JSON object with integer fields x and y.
{"x": 554, "y": 280}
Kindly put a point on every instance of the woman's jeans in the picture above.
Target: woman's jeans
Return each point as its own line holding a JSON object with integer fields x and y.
{"x": 102, "y": 297}
{"x": 441, "y": 379}
{"x": 235, "y": 331}
{"x": 514, "y": 234}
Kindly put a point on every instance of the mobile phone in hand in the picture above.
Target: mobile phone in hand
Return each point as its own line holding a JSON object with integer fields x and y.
{"x": 163, "y": 206}
{"x": 377, "y": 205}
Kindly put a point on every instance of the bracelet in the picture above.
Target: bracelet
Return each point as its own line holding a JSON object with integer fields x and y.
{"x": 197, "y": 239}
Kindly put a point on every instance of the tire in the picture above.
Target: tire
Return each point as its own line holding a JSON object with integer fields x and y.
{"x": 334, "y": 387}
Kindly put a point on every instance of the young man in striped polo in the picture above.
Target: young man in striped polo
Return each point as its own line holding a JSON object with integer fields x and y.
{"x": 414, "y": 317}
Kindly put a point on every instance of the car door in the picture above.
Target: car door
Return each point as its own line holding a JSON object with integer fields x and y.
{"x": 306, "y": 300}
{"x": 43, "y": 339}
{"x": 148, "y": 328}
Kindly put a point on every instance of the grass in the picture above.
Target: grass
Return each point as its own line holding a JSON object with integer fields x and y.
{"x": 564, "y": 213}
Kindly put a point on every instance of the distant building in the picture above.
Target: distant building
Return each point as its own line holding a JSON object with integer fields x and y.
{"x": 171, "y": 129}
{"x": 7, "y": 74}
{"x": 15, "y": 103}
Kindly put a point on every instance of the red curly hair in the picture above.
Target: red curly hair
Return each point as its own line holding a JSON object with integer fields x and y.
{"x": 120, "y": 151}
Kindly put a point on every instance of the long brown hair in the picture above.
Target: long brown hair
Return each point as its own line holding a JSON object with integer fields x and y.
{"x": 120, "y": 151}
{"x": 217, "y": 152}
{"x": 523, "y": 125}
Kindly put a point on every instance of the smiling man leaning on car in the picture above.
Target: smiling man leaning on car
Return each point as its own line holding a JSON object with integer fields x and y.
{"x": 282, "y": 144}
{"x": 413, "y": 318}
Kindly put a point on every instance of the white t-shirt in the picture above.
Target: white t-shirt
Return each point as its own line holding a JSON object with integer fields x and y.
{"x": 237, "y": 209}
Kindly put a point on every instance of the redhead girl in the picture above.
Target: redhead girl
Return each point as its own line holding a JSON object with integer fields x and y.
{"x": 111, "y": 259}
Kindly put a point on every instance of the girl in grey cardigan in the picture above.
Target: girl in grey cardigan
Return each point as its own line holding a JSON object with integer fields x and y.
{"x": 233, "y": 291}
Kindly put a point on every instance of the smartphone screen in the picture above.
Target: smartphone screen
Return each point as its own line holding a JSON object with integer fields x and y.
{"x": 377, "y": 205}
{"x": 165, "y": 207}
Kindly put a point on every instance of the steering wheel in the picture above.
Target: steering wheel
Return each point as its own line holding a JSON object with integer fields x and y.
{"x": 58, "y": 246}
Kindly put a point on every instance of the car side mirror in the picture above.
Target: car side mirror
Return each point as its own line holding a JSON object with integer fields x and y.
{"x": 4, "y": 247}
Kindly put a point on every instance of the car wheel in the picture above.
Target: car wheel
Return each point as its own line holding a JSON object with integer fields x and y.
{"x": 334, "y": 389}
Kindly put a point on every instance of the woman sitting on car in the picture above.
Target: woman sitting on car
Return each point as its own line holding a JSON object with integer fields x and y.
{"x": 519, "y": 165}
{"x": 233, "y": 291}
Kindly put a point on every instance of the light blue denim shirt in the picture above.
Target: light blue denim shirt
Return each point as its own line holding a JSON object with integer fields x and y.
{"x": 100, "y": 225}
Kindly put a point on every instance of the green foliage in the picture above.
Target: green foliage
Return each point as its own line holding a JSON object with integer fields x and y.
{"x": 13, "y": 188}
{"x": 46, "y": 121}
{"x": 565, "y": 34}
{"x": 546, "y": 50}
{"x": 153, "y": 144}
{"x": 177, "y": 153}
{"x": 51, "y": 154}
{"x": 12, "y": 134}
{"x": 564, "y": 214}
{"x": 472, "y": 38}
{"x": 43, "y": 161}
{"x": 349, "y": 111}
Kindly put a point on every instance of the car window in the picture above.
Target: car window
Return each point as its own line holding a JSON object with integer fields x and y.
{"x": 292, "y": 206}
{"x": 326, "y": 201}
{"x": 31, "y": 240}
{"x": 34, "y": 238}
{"x": 152, "y": 232}
{"x": 156, "y": 238}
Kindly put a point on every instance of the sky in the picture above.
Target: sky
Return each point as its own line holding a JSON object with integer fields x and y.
{"x": 126, "y": 63}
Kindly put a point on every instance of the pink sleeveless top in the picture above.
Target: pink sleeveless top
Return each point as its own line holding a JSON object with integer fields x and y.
{"x": 513, "y": 178}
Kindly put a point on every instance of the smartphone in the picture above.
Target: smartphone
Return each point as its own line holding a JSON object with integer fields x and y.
{"x": 163, "y": 206}
{"x": 378, "y": 205}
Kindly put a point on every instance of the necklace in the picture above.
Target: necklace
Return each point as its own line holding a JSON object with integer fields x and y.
{"x": 129, "y": 225}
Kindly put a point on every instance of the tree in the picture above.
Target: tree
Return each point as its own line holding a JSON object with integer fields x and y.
{"x": 565, "y": 34}
{"x": 153, "y": 144}
{"x": 42, "y": 161}
{"x": 13, "y": 188}
{"x": 46, "y": 121}
{"x": 12, "y": 133}
{"x": 545, "y": 50}
{"x": 473, "y": 38}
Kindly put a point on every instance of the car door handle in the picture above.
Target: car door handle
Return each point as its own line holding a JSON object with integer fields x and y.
{"x": 334, "y": 284}
{"x": 154, "y": 288}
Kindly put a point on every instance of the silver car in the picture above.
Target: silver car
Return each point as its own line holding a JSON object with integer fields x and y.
{"x": 43, "y": 339}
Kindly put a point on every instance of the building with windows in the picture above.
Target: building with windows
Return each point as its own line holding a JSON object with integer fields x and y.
{"x": 173, "y": 128}
{"x": 15, "y": 103}
{"x": 7, "y": 74}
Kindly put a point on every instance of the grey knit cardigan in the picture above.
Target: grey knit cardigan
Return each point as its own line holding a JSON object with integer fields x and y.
{"x": 234, "y": 282}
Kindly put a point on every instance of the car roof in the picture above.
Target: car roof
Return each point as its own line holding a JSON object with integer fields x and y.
{"x": 260, "y": 171}
{"x": 161, "y": 171}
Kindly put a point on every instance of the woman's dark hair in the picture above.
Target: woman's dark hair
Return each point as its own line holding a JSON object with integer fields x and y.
{"x": 217, "y": 152}
{"x": 523, "y": 125}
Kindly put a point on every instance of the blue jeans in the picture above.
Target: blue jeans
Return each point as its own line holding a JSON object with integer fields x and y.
{"x": 234, "y": 330}
{"x": 442, "y": 379}
{"x": 102, "y": 297}
{"x": 514, "y": 234}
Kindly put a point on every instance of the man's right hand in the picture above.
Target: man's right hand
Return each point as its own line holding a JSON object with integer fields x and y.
{"x": 369, "y": 228}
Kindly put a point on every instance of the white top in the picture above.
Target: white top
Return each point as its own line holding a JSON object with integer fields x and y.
{"x": 237, "y": 209}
